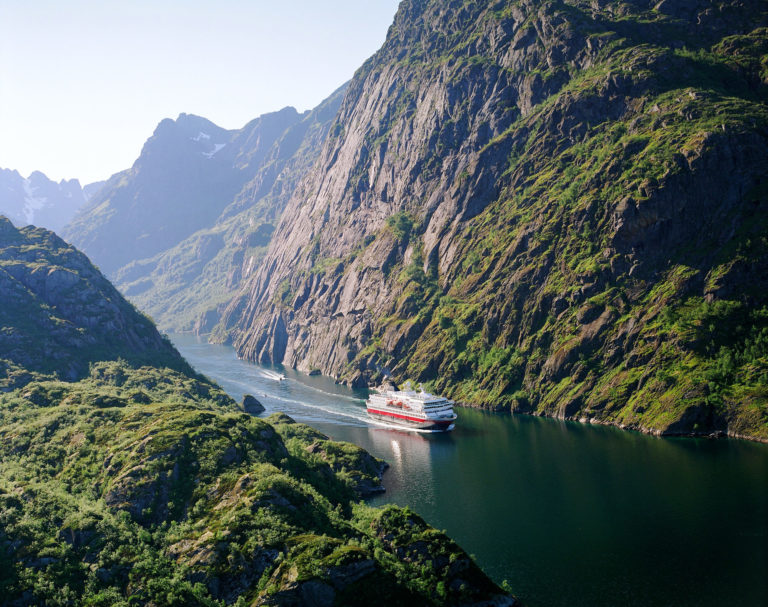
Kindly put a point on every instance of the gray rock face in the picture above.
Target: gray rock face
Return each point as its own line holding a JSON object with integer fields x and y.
{"x": 480, "y": 152}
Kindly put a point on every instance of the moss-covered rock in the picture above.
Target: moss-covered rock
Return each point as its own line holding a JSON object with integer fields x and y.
{"x": 58, "y": 313}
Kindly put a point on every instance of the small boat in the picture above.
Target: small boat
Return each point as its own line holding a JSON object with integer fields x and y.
{"x": 280, "y": 377}
{"x": 410, "y": 409}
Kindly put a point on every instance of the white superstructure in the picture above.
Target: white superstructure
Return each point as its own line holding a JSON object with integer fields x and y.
{"x": 419, "y": 410}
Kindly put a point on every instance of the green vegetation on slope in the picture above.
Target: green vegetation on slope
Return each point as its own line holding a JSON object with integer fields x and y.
{"x": 670, "y": 337}
{"x": 145, "y": 486}
{"x": 59, "y": 314}
{"x": 134, "y": 481}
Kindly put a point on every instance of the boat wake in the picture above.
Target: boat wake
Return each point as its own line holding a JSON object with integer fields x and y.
{"x": 350, "y": 410}
{"x": 272, "y": 375}
{"x": 330, "y": 411}
{"x": 333, "y": 394}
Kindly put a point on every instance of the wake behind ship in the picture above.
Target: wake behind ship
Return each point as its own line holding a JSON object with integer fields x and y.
{"x": 410, "y": 409}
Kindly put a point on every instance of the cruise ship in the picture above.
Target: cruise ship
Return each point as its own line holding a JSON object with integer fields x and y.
{"x": 410, "y": 409}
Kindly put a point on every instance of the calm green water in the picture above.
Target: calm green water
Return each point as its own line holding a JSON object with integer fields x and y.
{"x": 569, "y": 514}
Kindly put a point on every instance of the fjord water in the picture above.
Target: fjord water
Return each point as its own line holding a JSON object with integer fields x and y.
{"x": 568, "y": 514}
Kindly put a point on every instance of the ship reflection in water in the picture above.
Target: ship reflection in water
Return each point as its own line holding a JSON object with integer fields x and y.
{"x": 412, "y": 457}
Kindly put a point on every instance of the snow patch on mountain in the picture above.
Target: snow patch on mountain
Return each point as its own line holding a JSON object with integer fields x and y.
{"x": 32, "y": 203}
{"x": 216, "y": 148}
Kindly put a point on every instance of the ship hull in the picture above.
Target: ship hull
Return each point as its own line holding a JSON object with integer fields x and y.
{"x": 398, "y": 418}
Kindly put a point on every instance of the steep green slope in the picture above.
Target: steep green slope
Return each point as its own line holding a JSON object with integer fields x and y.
{"x": 184, "y": 287}
{"x": 551, "y": 207}
{"x": 142, "y": 483}
{"x": 58, "y": 314}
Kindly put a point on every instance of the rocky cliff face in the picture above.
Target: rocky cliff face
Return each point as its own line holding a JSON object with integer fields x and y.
{"x": 58, "y": 313}
{"x": 553, "y": 207}
{"x": 38, "y": 200}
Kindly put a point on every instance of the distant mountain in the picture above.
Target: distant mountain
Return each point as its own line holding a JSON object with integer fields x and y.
{"x": 179, "y": 230}
{"x": 90, "y": 190}
{"x": 188, "y": 172}
{"x": 39, "y": 201}
{"x": 187, "y": 286}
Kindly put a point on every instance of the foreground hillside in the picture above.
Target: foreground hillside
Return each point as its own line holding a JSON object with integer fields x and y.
{"x": 140, "y": 484}
{"x": 550, "y": 207}
{"x": 59, "y": 314}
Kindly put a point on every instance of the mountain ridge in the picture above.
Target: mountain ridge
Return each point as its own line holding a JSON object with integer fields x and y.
{"x": 40, "y": 201}
{"x": 188, "y": 171}
{"x": 189, "y": 274}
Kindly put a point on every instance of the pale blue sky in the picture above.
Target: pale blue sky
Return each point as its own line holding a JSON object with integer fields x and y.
{"x": 83, "y": 83}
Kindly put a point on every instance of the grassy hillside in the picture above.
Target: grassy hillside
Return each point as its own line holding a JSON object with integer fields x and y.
{"x": 59, "y": 314}
{"x": 139, "y": 486}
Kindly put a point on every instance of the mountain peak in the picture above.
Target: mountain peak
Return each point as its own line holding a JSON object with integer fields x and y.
{"x": 193, "y": 120}
{"x": 37, "y": 176}
{"x": 7, "y": 229}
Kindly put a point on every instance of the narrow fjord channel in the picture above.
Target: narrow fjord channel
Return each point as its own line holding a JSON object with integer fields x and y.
{"x": 568, "y": 514}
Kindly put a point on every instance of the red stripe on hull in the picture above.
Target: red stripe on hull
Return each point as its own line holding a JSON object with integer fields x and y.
{"x": 412, "y": 419}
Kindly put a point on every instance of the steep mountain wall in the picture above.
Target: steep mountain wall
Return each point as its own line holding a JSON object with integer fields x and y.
{"x": 551, "y": 207}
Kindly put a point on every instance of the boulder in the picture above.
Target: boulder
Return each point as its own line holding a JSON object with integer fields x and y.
{"x": 252, "y": 405}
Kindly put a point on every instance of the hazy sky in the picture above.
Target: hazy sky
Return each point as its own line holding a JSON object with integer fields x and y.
{"x": 84, "y": 83}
